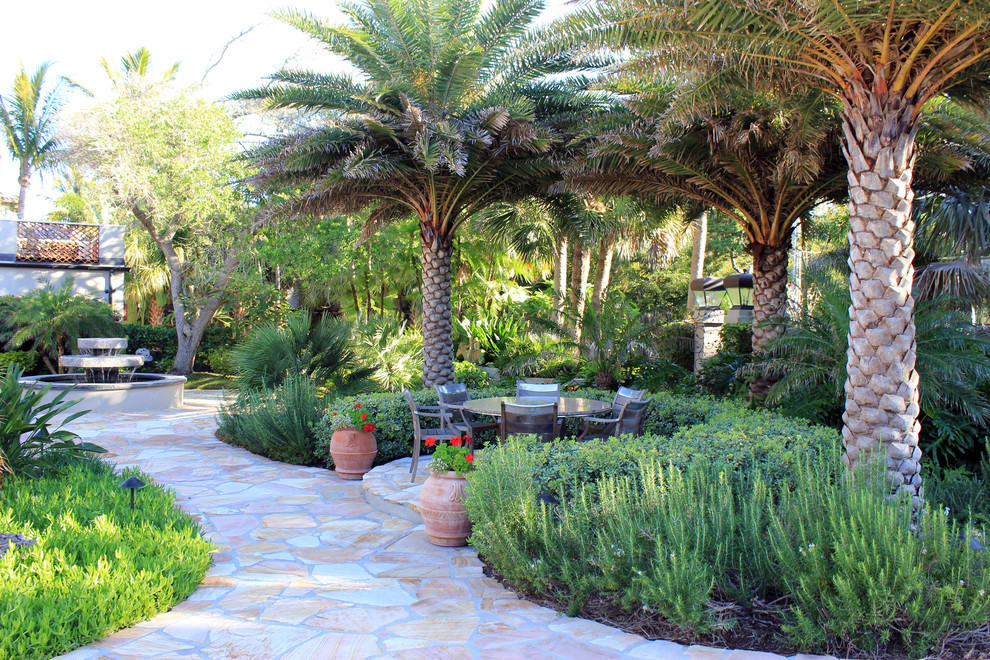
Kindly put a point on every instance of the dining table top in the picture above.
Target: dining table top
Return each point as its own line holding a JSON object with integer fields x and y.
{"x": 568, "y": 406}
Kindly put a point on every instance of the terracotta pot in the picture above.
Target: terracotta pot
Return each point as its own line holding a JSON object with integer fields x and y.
{"x": 353, "y": 452}
{"x": 441, "y": 503}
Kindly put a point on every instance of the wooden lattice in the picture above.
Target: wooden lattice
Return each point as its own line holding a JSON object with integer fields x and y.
{"x": 56, "y": 242}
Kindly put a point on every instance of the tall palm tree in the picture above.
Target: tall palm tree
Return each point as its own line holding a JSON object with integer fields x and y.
{"x": 883, "y": 60}
{"x": 448, "y": 113}
{"x": 763, "y": 164}
{"x": 27, "y": 115}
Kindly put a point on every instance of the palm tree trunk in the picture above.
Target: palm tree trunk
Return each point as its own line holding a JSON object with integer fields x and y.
{"x": 560, "y": 281}
{"x": 24, "y": 180}
{"x": 769, "y": 293}
{"x": 438, "y": 344}
{"x": 156, "y": 313}
{"x": 881, "y": 381}
{"x": 603, "y": 271}
{"x": 580, "y": 267}
{"x": 698, "y": 253}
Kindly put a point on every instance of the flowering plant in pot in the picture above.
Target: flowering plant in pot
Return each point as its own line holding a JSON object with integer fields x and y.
{"x": 441, "y": 500}
{"x": 352, "y": 445}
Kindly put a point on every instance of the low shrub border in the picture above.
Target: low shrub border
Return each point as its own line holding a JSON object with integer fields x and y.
{"x": 728, "y": 554}
{"x": 97, "y": 566}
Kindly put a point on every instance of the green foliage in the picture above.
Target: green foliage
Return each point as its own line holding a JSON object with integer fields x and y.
{"x": 450, "y": 456}
{"x": 26, "y": 360}
{"x": 658, "y": 375}
{"x": 963, "y": 493}
{"x": 97, "y": 566}
{"x": 219, "y": 360}
{"x": 320, "y": 350}
{"x": 32, "y": 440}
{"x": 161, "y": 340}
{"x": 674, "y": 342}
{"x": 840, "y": 561}
{"x": 737, "y": 338}
{"x": 278, "y": 423}
{"x": 471, "y": 375}
{"x": 724, "y": 374}
{"x": 668, "y": 412}
{"x": 52, "y": 319}
{"x": 393, "y": 350}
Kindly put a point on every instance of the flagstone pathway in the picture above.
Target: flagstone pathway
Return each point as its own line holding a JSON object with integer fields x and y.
{"x": 307, "y": 569}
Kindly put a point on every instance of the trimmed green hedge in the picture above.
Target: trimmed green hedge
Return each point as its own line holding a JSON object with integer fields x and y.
{"x": 97, "y": 566}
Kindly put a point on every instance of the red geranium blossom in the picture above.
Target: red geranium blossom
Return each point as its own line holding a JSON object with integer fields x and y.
{"x": 469, "y": 458}
{"x": 430, "y": 441}
{"x": 369, "y": 427}
{"x": 364, "y": 416}
{"x": 357, "y": 405}
{"x": 456, "y": 442}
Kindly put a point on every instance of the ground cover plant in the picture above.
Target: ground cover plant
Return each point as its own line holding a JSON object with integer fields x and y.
{"x": 718, "y": 553}
{"x": 97, "y": 566}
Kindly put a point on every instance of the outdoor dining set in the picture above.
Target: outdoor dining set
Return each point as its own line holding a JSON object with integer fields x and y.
{"x": 537, "y": 409}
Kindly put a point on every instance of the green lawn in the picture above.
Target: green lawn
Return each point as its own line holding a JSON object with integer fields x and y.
{"x": 208, "y": 381}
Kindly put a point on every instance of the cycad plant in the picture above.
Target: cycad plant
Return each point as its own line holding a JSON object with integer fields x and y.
{"x": 953, "y": 362}
{"x": 52, "y": 319}
{"x": 450, "y": 111}
{"x": 319, "y": 350}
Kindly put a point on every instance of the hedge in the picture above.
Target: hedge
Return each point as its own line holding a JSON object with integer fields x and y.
{"x": 163, "y": 344}
{"x": 25, "y": 359}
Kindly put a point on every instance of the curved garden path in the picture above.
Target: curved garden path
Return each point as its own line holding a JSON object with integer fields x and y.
{"x": 308, "y": 570}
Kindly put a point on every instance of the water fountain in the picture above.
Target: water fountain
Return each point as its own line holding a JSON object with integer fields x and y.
{"x": 109, "y": 381}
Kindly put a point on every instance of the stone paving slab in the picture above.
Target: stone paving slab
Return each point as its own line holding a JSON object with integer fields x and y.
{"x": 307, "y": 568}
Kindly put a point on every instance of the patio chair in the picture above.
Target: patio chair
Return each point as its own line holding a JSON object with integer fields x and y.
{"x": 451, "y": 398}
{"x": 441, "y": 432}
{"x": 538, "y": 390}
{"x": 627, "y": 418}
{"x": 631, "y": 395}
{"x": 540, "y": 419}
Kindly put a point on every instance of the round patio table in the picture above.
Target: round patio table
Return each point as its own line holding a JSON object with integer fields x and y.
{"x": 567, "y": 406}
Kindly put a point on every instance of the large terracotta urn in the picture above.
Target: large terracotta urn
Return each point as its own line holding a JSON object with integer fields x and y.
{"x": 441, "y": 503}
{"x": 353, "y": 452}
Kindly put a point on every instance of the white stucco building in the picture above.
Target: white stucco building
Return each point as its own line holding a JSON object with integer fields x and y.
{"x": 36, "y": 254}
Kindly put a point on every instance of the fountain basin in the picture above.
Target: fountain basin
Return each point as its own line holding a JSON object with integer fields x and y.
{"x": 143, "y": 393}
{"x": 100, "y": 361}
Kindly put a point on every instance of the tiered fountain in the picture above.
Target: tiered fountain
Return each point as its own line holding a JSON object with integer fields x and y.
{"x": 109, "y": 381}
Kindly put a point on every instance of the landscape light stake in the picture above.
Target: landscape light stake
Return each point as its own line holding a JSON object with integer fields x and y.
{"x": 132, "y": 484}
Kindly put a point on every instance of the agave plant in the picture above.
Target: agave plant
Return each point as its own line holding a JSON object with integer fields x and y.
{"x": 29, "y": 443}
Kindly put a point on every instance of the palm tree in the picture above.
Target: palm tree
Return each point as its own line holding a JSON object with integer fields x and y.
{"x": 28, "y": 116}
{"x": 136, "y": 63}
{"x": 449, "y": 113}
{"x": 883, "y": 60}
{"x": 763, "y": 164}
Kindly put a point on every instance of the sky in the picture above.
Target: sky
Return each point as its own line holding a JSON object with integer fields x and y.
{"x": 74, "y": 34}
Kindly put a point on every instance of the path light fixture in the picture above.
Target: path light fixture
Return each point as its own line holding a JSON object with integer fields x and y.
{"x": 132, "y": 484}
{"x": 739, "y": 291}
{"x": 708, "y": 291}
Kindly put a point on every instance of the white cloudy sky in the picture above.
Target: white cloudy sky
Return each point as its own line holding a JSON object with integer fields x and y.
{"x": 75, "y": 34}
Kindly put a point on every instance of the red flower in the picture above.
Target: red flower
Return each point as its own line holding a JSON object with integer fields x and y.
{"x": 467, "y": 440}
{"x": 335, "y": 414}
{"x": 369, "y": 427}
{"x": 364, "y": 416}
{"x": 469, "y": 458}
{"x": 430, "y": 441}
{"x": 456, "y": 442}
{"x": 357, "y": 405}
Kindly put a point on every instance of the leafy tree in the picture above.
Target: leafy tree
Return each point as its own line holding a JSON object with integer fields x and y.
{"x": 166, "y": 162}
{"x": 28, "y": 115}
{"x": 52, "y": 319}
{"x": 449, "y": 112}
{"x": 884, "y": 61}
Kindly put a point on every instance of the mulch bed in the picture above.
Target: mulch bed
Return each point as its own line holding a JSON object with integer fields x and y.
{"x": 15, "y": 541}
{"x": 754, "y": 629}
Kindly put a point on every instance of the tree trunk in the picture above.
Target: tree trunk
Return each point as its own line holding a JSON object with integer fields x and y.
{"x": 156, "y": 313}
{"x": 354, "y": 294}
{"x": 881, "y": 381}
{"x": 438, "y": 344}
{"x": 603, "y": 272}
{"x": 769, "y": 293}
{"x": 698, "y": 254}
{"x": 24, "y": 180}
{"x": 560, "y": 281}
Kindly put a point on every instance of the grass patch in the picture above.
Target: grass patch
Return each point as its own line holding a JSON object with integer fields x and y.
{"x": 206, "y": 381}
{"x": 97, "y": 566}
